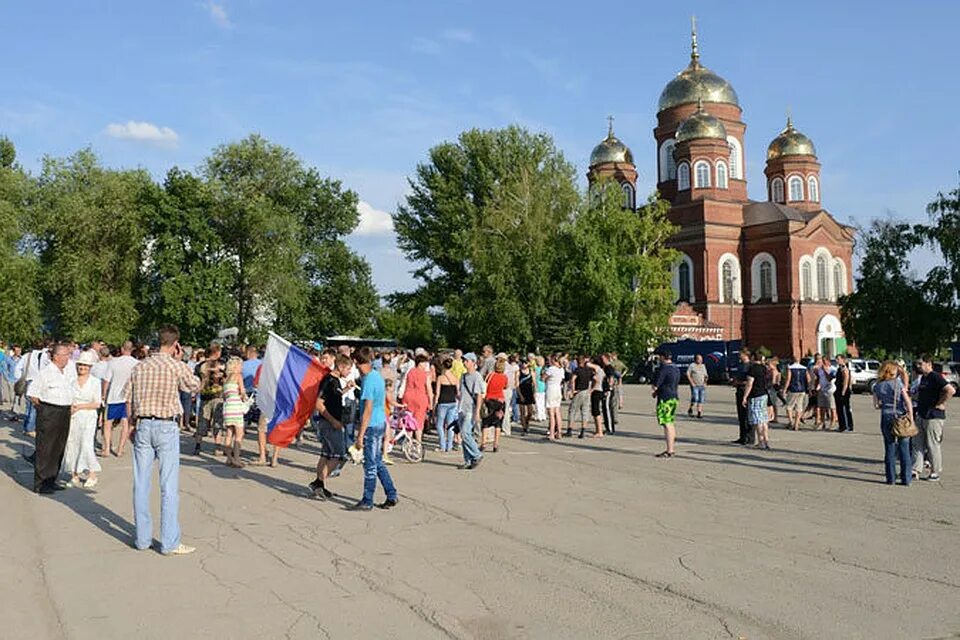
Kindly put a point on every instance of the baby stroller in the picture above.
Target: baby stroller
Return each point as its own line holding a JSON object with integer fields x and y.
{"x": 404, "y": 427}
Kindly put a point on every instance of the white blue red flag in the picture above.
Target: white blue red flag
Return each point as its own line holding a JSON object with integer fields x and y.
{"x": 287, "y": 388}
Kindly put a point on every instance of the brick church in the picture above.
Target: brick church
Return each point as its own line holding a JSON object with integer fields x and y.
{"x": 766, "y": 272}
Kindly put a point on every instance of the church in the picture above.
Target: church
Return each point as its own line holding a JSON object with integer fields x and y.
{"x": 765, "y": 272}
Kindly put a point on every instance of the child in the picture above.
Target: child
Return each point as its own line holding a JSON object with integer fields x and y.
{"x": 234, "y": 408}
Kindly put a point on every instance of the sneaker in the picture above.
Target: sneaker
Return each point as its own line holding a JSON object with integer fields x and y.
{"x": 933, "y": 477}
{"x": 475, "y": 463}
{"x": 181, "y": 550}
{"x": 387, "y": 461}
{"x": 315, "y": 484}
{"x": 360, "y": 506}
{"x": 388, "y": 504}
{"x": 319, "y": 493}
{"x": 196, "y": 449}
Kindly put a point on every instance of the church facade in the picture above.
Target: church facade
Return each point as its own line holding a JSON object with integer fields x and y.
{"x": 765, "y": 272}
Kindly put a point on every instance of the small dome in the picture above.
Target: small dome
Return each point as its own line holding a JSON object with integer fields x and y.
{"x": 701, "y": 125}
{"x": 790, "y": 142}
{"x": 611, "y": 149}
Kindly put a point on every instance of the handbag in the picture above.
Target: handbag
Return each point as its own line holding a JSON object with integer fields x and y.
{"x": 903, "y": 426}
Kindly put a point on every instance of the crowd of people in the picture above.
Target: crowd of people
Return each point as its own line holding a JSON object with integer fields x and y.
{"x": 65, "y": 396}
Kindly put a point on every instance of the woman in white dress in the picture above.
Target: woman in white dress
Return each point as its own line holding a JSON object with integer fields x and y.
{"x": 80, "y": 455}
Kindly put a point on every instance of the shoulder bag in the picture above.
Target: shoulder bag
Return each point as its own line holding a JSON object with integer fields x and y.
{"x": 903, "y": 426}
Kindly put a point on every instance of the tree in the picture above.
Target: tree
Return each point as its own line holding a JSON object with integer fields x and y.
{"x": 89, "y": 224}
{"x": 20, "y": 317}
{"x": 618, "y": 272}
{"x": 188, "y": 275}
{"x": 943, "y": 281}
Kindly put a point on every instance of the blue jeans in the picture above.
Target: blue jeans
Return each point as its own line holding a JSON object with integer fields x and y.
{"x": 698, "y": 394}
{"x": 30, "y": 418}
{"x": 446, "y": 415}
{"x": 373, "y": 466}
{"x": 515, "y": 406}
{"x": 894, "y": 448}
{"x": 471, "y": 452}
{"x": 157, "y": 439}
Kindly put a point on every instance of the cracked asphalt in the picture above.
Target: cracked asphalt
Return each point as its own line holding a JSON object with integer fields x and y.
{"x": 578, "y": 539}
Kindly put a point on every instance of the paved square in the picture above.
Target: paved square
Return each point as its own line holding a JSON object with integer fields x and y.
{"x": 581, "y": 539}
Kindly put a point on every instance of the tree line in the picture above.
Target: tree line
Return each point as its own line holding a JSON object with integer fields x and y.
{"x": 508, "y": 249}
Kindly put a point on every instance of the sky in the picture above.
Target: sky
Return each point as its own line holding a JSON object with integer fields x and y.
{"x": 362, "y": 91}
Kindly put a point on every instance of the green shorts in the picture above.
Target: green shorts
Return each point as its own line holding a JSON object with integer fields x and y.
{"x": 666, "y": 411}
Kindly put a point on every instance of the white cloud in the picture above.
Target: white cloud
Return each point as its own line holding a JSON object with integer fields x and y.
{"x": 372, "y": 221}
{"x": 218, "y": 13}
{"x": 143, "y": 132}
{"x": 458, "y": 35}
{"x": 425, "y": 45}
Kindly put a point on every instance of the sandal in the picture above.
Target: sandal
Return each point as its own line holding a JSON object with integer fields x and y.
{"x": 665, "y": 454}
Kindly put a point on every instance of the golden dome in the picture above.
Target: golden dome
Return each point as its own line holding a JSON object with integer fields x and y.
{"x": 701, "y": 125}
{"x": 611, "y": 149}
{"x": 696, "y": 82}
{"x": 790, "y": 142}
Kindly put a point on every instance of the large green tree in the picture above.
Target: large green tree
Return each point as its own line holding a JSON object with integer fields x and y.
{"x": 20, "y": 317}
{"x": 89, "y": 226}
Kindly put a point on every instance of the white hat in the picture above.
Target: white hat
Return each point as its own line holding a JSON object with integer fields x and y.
{"x": 88, "y": 358}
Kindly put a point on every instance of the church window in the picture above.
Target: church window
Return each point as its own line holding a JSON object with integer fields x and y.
{"x": 683, "y": 176}
{"x": 702, "y": 174}
{"x": 735, "y": 155}
{"x": 822, "y": 283}
{"x": 796, "y": 188}
{"x": 627, "y": 195}
{"x": 813, "y": 189}
{"x": 727, "y": 273}
{"x": 839, "y": 279}
{"x": 766, "y": 281}
{"x": 684, "y": 272}
{"x": 668, "y": 164}
{"x": 721, "y": 174}
{"x": 806, "y": 281}
{"x": 776, "y": 190}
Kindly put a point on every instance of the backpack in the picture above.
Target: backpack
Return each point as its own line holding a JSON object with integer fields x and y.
{"x": 20, "y": 386}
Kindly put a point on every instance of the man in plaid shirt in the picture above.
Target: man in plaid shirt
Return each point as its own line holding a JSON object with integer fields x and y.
{"x": 153, "y": 405}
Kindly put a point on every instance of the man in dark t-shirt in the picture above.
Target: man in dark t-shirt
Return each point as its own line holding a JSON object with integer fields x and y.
{"x": 665, "y": 391}
{"x": 756, "y": 400}
{"x": 739, "y": 380}
{"x": 330, "y": 431}
{"x": 581, "y": 383}
{"x": 609, "y": 379}
{"x": 933, "y": 391}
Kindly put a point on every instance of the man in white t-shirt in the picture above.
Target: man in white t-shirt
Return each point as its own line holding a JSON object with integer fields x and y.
{"x": 34, "y": 362}
{"x": 118, "y": 373}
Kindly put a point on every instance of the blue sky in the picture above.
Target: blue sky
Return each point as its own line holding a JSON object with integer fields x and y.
{"x": 363, "y": 90}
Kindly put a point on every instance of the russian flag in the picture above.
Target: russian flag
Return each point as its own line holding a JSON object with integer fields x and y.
{"x": 287, "y": 389}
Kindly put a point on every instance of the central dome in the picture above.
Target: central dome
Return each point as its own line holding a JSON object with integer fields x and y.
{"x": 701, "y": 125}
{"x": 696, "y": 82}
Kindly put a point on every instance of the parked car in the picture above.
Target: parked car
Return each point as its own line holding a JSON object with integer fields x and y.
{"x": 950, "y": 372}
{"x": 864, "y": 374}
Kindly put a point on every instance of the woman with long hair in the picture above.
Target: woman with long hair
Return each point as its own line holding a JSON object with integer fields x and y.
{"x": 445, "y": 403}
{"x": 418, "y": 393}
{"x": 540, "y": 391}
{"x": 234, "y": 408}
{"x": 892, "y": 397}
{"x": 495, "y": 403}
{"x": 526, "y": 388}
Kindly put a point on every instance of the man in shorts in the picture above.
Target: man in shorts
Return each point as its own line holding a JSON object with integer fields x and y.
{"x": 797, "y": 384}
{"x": 697, "y": 377}
{"x": 211, "y": 398}
{"x": 826, "y": 405}
{"x": 665, "y": 391}
{"x": 330, "y": 432}
{"x": 756, "y": 400}
{"x": 118, "y": 373}
{"x": 581, "y": 386}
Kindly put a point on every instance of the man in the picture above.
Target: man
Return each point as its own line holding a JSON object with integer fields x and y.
{"x": 8, "y": 376}
{"x": 211, "y": 399}
{"x": 755, "y": 400}
{"x": 697, "y": 377}
{"x": 472, "y": 392}
{"x": 51, "y": 394}
{"x": 152, "y": 394}
{"x": 373, "y": 425}
{"x": 740, "y": 382}
{"x": 330, "y": 433}
{"x": 797, "y": 384}
{"x": 609, "y": 379}
{"x": 621, "y": 368}
{"x": 581, "y": 390}
{"x": 36, "y": 360}
{"x": 826, "y": 405}
{"x": 933, "y": 391}
{"x": 841, "y": 396}
{"x": 665, "y": 391}
{"x": 118, "y": 373}
{"x": 488, "y": 363}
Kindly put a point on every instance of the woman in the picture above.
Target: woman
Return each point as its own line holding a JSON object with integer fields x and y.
{"x": 773, "y": 387}
{"x": 445, "y": 403}
{"x": 540, "y": 395}
{"x": 79, "y": 455}
{"x": 417, "y": 392}
{"x": 234, "y": 408}
{"x": 892, "y": 398}
{"x": 553, "y": 377}
{"x": 525, "y": 395}
{"x": 495, "y": 403}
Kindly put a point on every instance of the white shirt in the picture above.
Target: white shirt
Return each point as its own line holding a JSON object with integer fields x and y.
{"x": 118, "y": 372}
{"x": 32, "y": 367}
{"x": 100, "y": 369}
{"x": 54, "y": 386}
{"x": 554, "y": 378}
{"x": 511, "y": 369}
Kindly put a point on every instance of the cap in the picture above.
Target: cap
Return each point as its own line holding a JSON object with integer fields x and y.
{"x": 472, "y": 357}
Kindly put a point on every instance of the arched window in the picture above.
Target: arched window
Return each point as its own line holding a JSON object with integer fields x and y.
{"x": 796, "y": 188}
{"x": 684, "y": 281}
{"x": 839, "y": 278}
{"x": 701, "y": 175}
{"x": 735, "y": 158}
{"x": 668, "y": 164}
{"x": 683, "y": 176}
{"x": 721, "y": 174}
{"x": 806, "y": 281}
{"x": 726, "y": 275}
{"x": 813, "y": 189}
{"x": 729, "y": 278}
{"x": 628, "y": 200}
{"x": 823, "y": 293}
{"x": 766, "y": 281}
{"x": 776, "y": 190}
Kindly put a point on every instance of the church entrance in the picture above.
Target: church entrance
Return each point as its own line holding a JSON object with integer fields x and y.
{"x": 830, "y": 340}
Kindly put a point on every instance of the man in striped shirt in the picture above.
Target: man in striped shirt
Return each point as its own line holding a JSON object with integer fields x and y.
{"x": 153, "y": 405}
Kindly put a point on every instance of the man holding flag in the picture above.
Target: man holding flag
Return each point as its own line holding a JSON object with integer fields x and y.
{"x": 373, "y": 426}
